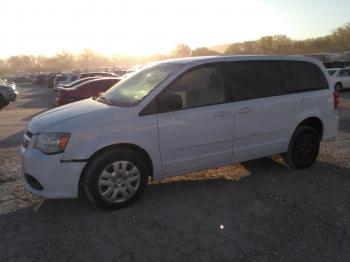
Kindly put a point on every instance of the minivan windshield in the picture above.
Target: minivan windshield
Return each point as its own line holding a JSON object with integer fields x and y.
{"x": 133, "y": 89}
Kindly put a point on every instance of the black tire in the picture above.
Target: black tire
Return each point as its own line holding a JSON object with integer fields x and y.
{"x": 103, "y": 161}
{"x": 3, "y": 101}
{"x": 338, "y": 87}
{"x": 303, "y": 148}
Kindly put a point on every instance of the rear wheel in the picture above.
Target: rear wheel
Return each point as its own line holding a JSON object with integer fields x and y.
{"x": 3, "y": 101}
{"x": 116, "y": 178}
{"x": 303, "y": 148}
{"x": 338, "y": 87}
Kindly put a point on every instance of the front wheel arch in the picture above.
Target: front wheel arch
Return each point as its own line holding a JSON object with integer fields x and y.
{"x": 132, "y": 147}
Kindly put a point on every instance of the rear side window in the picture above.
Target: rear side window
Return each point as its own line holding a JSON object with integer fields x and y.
{"x": 303, "y": 76}
{"x": 254, "y": 79}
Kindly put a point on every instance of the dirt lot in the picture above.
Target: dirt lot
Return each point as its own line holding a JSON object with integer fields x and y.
{"x": 257, "y": 211}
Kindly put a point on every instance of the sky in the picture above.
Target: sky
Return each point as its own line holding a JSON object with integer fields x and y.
{"x": 143, "y": 27}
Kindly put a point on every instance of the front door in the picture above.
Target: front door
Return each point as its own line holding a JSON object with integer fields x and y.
{"x": 196, "y": 130}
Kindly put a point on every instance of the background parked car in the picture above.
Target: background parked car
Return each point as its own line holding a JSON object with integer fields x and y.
{"x": 22, "y": 79}
{"x": 8, "y": 93}
{"x": 49, "y": 80}
{"x": 120, "y": 72}
{"x": 84, "y": 90}
{"x": 340, "y": 78}
{"x": 58, "y": 79}
{"x": 7, "y": 82}
{"x": 40, "y": 79}
{"x": 96, "y": 74}
{"x": 70, "y": 78}
{"x": 74, "y": 83}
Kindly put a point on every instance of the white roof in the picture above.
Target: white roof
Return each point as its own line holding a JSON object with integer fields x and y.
{"x": 188, "y": 60}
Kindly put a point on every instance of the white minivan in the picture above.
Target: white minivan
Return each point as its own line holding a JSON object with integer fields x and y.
{"x": 177, "y": 116}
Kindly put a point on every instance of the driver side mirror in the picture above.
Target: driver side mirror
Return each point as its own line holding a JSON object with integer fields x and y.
{"x": 170, "y": 102}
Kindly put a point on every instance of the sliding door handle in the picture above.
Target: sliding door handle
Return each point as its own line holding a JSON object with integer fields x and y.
{"x": 245, "y": 110}
{"x": 222, "y": 113}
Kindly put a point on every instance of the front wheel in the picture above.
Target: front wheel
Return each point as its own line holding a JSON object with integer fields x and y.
{"x": 116, "y": 178}
{"x": 303, "y": 148}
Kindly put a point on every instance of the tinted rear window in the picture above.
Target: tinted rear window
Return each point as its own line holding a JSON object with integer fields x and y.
{"x": 303, "y": 76}
{"x": 254, "y": 79}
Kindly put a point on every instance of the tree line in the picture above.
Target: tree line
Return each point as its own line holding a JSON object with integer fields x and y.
{"x": 337, "y": 41}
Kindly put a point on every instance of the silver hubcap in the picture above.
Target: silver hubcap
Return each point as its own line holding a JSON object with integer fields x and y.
{"x": 119, "y": 181}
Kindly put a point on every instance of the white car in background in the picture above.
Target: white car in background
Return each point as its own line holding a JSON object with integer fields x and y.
{"x": 340, "y": 78}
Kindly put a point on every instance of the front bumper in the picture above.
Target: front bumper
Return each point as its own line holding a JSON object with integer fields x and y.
{"x": 12, "y": 97}
{"x": 58, "y": 180}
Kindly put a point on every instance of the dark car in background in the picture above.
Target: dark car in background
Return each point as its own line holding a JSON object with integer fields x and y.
{"x": 58, "y": 79}
{"x": 8, "y": 93}
{"x": 74, "y": 83}
{"x": 91, "y": 88}
{"x": 96, "y": 74}
{"x": 49, "y": 80}
{"x": 22, "y": 79}
{"x": 40, "y": 79}
{"x": 69, "y": 79}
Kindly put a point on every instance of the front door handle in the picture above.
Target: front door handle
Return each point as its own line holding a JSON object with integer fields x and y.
{"x": 245, "y": 110}
{"x": 222, "y": 113}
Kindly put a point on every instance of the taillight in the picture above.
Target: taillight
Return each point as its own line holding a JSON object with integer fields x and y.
{"x": 336, "y": 99}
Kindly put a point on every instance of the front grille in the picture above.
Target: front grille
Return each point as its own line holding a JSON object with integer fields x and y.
{"x": 26, "y": 138}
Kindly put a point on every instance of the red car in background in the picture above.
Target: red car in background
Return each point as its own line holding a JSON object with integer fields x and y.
{"x": 84, "y": 90}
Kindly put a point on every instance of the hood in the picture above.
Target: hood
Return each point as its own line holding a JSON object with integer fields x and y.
{"x": 65, "y": 113}
{"x": 6, "y": 86}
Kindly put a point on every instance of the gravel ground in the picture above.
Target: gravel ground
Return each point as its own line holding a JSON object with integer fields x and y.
{"x": 256, "y": 211}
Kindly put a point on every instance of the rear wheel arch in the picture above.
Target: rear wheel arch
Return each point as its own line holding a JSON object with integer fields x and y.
{"x": 303, "y": 148}
{"x": 313, "y": 122}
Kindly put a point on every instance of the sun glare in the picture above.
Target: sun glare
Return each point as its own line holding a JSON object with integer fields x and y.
{"x": 136, "y": 27}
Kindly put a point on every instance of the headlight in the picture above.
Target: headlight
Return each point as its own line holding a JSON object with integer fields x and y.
{"x": 51, "y": 143}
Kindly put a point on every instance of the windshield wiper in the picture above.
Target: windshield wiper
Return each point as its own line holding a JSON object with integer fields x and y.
{"x": 104, "y": 100}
